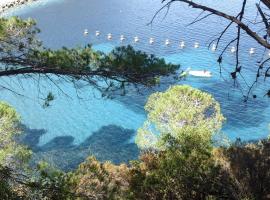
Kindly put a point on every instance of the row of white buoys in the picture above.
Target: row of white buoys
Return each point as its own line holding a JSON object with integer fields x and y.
{"x": 167, "y": 42}
{"x": 251, "y": 51}
{"x": 136, "y": 39}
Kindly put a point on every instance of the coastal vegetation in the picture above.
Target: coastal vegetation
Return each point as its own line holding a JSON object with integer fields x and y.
{"x": 177, "y": 113}
{"x": 185, "y": 163}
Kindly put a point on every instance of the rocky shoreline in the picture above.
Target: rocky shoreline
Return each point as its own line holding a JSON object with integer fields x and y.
{"x": 8, "y": 4}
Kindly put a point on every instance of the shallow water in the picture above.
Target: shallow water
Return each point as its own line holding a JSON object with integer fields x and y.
{"x": 72, "y": 128}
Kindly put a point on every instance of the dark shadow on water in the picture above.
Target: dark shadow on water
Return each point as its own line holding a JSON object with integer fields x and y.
{"x": 58, "y": 143}
{"x": 31, "y": 137}
{"x": 110, "y": 143}
{"x": 238, "y": 113}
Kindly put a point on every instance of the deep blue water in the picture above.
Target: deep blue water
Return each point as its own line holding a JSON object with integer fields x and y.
{"x": 72, "y": 128}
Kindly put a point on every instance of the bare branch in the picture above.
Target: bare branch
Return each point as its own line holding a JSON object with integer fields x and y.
{"x": 231, "y": 18}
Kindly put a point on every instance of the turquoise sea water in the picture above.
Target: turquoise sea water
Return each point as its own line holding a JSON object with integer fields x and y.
{"x": 72, "y": 128}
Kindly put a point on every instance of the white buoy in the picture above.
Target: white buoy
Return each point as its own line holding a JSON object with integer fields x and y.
{"x": 252, "y": 51}
{"x": 109, "y": 36}
{"x": 122, "y": 38}
{"x": 233, "y": 49}
{"x": 97, "y": 33}
{"x": 85, "y": 32}
{"x": 136, "y": 39}
{"x": 182, "y": 44}
{"x": 151, "y": 40}
{"x": 167, "y": 42}
{"x": 196, "y": 45}
{"x": 214, "y": 47}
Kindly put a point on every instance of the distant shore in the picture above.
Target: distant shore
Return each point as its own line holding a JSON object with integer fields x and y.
{"x": 8, "y": 4}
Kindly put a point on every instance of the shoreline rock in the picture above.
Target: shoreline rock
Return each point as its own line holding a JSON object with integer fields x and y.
{"x": 12, "y": 4}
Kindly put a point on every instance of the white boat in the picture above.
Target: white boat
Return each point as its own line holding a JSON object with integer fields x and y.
{"x": 197, "y": 73}
{"x": 200, "y": 73}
